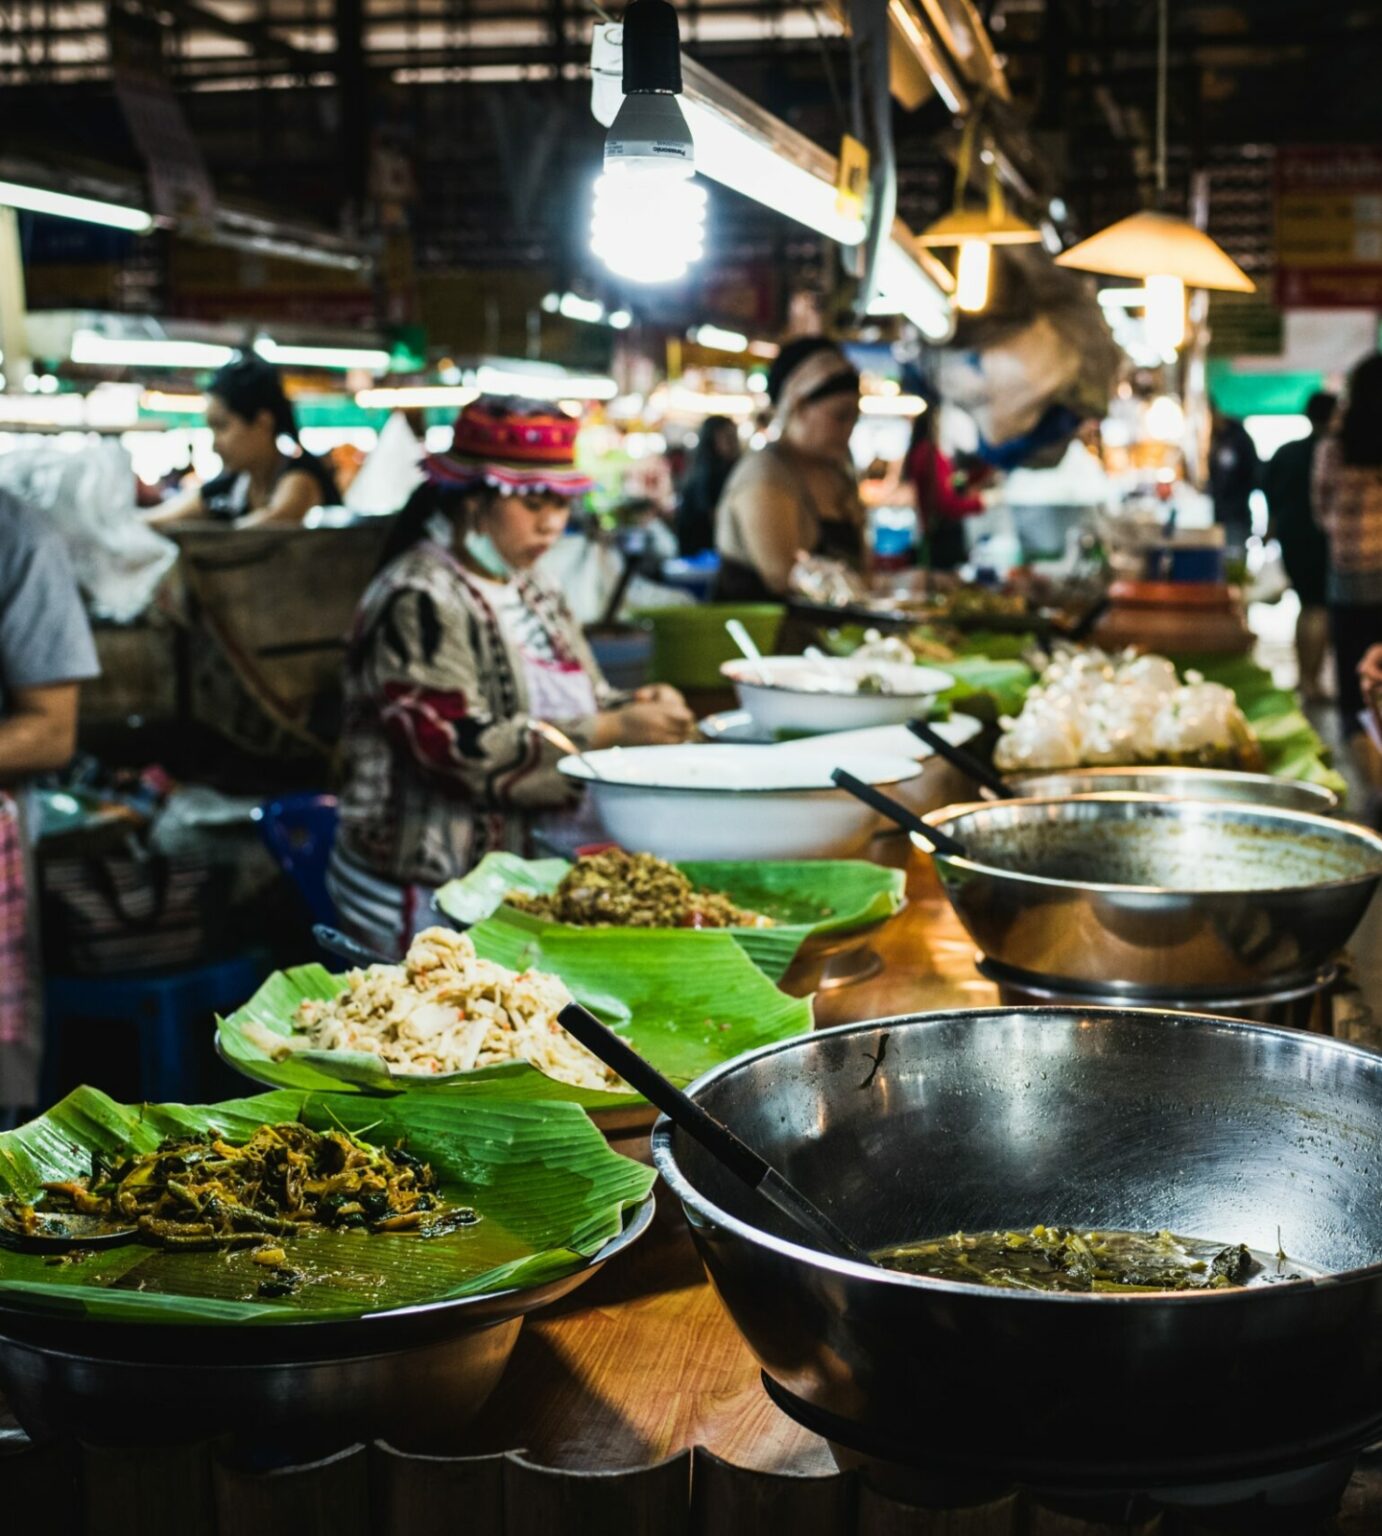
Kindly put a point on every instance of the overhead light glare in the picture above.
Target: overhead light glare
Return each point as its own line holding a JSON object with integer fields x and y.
{"x": 907, "y": 406}
{"x": 165, "y": 403}
{"x": 719, "y": 340}
{"x": 539, "y": 385}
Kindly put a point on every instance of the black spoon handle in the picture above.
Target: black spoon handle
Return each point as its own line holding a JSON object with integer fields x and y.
{"x": 966, "y": 762}
{"x": 717, "y": 1139}
{"x": 347, "y": 948}
{"x": 942, "y": 842}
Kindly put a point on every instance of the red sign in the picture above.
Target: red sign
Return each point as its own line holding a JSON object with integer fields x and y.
{"x": 1329, "y": 227}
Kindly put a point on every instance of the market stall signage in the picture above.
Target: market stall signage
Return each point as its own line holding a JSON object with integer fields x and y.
{"x": 1329, "y": 227}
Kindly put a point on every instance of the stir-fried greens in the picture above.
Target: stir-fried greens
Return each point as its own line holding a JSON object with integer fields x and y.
{"x": 634, "y": 890}
{"x": 1056, "y": 1259}
{"x": 204, "y": 1191}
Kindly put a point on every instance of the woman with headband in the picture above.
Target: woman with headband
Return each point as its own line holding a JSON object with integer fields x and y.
{"x": 458, "y": 660}
{"x": 797, "y": 495}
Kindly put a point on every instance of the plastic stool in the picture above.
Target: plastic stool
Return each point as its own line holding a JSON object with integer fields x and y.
{"x": 173, "y": 1012}
{"x": 298, "y": 830}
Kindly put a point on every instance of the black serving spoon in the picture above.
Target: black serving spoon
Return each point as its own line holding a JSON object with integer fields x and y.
{"x": 717, "y": 1139}
{"x": 895, "y": 811}
{"x": 957, "y": 757}
{"x": 61, "y": 1233}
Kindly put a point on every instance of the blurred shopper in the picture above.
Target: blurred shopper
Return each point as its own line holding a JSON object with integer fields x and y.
{"x": 1348, "y": 505}
{"x": 798, "y": 495}
{"x": 46, "y": 652}
{"x": 1304, "y": 549}
{"x": 941, "y": 509}
{"x": 717, "y": 452}
{"x": 1234, "y": 470}
{"x": 261, "y": 481}
{"x": 457, "y": 661}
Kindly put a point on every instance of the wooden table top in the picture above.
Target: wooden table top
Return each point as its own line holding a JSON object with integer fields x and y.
{"x": 644, "y": 1361}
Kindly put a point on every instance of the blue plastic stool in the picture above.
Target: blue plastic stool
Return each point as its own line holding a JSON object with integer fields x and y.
{"x": 299, "y": 830}
{"x": 173, "y": 1012}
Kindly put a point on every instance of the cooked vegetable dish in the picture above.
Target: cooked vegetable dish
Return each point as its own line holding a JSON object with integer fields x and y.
{"x": 204, "y": 1192}
{"x": 634, "y": 890}
{"x": 1063, "y": 1259}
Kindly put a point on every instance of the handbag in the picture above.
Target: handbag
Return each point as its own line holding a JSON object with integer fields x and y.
{"x": 113, "y": 904}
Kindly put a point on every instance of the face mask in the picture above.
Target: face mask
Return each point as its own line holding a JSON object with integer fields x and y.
{"x": 481, "y": 549}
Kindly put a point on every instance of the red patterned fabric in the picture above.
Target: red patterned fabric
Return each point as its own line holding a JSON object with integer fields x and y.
{"x": 15, "y": 1016}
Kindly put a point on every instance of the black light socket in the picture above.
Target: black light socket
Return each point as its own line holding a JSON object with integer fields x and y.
{"x": 652, "y": 49}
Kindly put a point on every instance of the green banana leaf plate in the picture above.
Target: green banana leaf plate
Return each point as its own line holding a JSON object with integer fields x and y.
{"x": 549, "y": 1191}
{"x": 686, "y": 1001}
{"x": 806, "y": 900}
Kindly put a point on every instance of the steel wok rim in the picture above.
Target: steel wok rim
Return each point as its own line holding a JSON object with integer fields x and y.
{"x": 1335, "y": 830}
{"x": 692, "y": 1200}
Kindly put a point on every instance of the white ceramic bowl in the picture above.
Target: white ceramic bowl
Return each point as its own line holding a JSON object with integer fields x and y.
{"x": 723, "y": 802}
{"x": 817, "y": 694}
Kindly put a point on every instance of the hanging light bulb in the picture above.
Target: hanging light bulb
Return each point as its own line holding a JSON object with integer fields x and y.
{"x": 649, "y": 215}
{"x": 972, "y": 276}
{"x": 1165, "y": 313}
{"x": 976, "y": 231}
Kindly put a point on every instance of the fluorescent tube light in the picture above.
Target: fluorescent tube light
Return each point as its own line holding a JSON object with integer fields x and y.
{"x": 892, "y": 405}
{"x": 374, "y": 359}
{"x": 905, "y": 289}
{"x": 536, "y": 385}
{"x": 89, "y": 210}
{"x": 720, "y": 340}
{"x": 167, "y": 404}
{"x": 94, "y": 350}
{"x": 406, "y": 397}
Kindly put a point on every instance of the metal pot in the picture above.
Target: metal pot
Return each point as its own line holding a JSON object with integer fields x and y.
{"x": 416, "y": 1375}
{"x": 1179, "y": 784}
{"x": 1130, "y": 893}
{"x": 912, "y": 1127}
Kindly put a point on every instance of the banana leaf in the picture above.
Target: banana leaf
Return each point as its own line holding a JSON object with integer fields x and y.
{"x": 686, "y": 1001}
{"x": 804, "y": 899}
{"x": 547, "y": 1187}
{"x": 1291, "y": 747}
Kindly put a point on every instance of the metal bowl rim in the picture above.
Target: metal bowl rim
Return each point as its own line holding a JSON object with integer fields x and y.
{"x": 1178, "y": 772}
{"x": 635, "y": 1225}
{"x": 1217, "y": 810}
{"x": 692, "y": 1199}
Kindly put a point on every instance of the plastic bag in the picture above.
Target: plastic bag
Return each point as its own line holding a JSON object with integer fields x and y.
{"x": 391, "y": 473}
{"x": 88, "y": 496}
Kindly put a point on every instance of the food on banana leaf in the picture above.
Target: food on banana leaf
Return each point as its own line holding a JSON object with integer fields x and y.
{"x": 205, "y": 1191}
{"x": 1064, "y": 1259}
{"x": 445, "y": 1009}
{"x": 1092, "y": 710}
{"x": 634, "y": 890}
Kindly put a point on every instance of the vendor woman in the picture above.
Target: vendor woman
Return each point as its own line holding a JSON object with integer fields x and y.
{"x": 458, "y": 659}
{"x": 798, "y": 495}
{"x": 266, "y": 477}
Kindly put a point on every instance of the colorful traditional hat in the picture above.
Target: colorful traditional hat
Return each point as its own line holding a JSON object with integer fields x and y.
{"x": 516, "y": 446}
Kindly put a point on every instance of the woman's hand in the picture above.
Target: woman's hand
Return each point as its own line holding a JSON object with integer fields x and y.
{"x": 659, "y": 693}
{"x": 658, "y": 722}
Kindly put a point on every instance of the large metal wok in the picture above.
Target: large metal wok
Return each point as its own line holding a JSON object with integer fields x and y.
{"x": 913, "y": 1127}
{"x": 1134, "y": 893}
{"x": 1178, "y": 784}
{"x": 416, "y": 1375}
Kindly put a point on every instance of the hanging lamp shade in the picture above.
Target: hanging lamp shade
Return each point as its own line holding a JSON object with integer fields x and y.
{"x": 1150, "y": 244}
{"x": 968, "y": 224}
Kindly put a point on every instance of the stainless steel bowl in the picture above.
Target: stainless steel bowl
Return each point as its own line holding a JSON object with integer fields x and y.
{"x": 415, "y": 1375}
{"x": 1180, "y": 784}
{"x": 1130, "y": 893}
{"x": 998, "y": 1118}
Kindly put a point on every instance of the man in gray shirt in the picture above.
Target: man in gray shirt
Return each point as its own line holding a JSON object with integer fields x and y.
{"x": 46, "y": 652}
